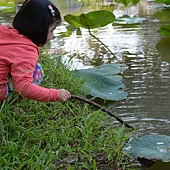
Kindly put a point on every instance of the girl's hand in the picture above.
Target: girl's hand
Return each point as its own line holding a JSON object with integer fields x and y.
{"x": 63, "y": 95}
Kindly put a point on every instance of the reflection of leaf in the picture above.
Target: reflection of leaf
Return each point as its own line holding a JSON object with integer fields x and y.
{"x": 163, "y": 48}
{"x": 98, "y": 84}
{"x": 91, "y": 20}
{"x": 163, "y": 15}
{"x": 151, "y": 147}
{"x": 108, "y": 7}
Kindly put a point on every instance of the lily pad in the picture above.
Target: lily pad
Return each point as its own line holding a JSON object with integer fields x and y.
{"x": 166, "y": 2}
{"x": 109, "y": 69}
{"x": 129, "y": 20}
{"x": 151, "y": 147}
{"x": 99, "y": 84}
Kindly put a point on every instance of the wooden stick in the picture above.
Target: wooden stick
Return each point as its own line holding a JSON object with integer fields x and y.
{"x": 103, "y": 109}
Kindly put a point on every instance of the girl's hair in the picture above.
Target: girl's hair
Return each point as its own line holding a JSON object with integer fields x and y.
{"x": 34, "y": 19}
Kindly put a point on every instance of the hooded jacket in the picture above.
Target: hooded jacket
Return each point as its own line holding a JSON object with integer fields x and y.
{"x": 18, "y": 58}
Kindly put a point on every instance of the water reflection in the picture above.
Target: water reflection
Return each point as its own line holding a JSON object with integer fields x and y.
{"x": 146, "y": 80}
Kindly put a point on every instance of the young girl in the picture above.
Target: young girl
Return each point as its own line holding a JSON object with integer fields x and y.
{"x": 19, "y": 69}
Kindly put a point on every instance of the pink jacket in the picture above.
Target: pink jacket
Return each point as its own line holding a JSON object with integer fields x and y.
{"x": 18, "y": 58}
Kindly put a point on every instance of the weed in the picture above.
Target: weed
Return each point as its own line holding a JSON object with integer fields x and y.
{"x": 47, "y": 136}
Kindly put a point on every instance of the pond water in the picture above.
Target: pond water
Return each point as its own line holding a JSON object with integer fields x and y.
{"x": 147, "y": 78}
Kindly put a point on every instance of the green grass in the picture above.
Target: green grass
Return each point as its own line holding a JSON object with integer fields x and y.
{"x": 51, "y": 136}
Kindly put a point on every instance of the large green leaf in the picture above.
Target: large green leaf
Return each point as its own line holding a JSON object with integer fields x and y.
{"x": 151, "y": 147}
{"x": 98, "y": 84}
{"x": 73, "y": 20}
{"x": 135, "y": 2}
{"x": 91, "y": 20}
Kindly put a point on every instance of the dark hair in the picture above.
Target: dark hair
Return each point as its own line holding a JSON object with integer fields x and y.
{"x": 34, "y": 19}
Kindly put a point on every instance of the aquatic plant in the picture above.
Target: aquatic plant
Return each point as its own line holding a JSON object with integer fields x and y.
{"x": 149, "y": 149}
{"x": 102, "y": 81}
{"x": 91, "y": 20}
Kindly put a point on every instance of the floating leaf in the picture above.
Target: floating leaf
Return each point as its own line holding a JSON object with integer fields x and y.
{"x": 91, "y": 20}
{"x": 129, "y": 20}
{"x": 109, "y": 69}
{"x": 151, "y": 147}
{"x": 98, "y": 84}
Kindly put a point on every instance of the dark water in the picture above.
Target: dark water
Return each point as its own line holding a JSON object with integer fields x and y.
{"x": 147, "y": 82}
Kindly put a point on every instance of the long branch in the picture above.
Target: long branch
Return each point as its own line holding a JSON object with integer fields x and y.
{"x": 103, "y": 109}
{"x": 100, "y": 42}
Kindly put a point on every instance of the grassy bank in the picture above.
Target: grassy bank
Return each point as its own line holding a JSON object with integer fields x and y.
{"x": 51, "y": 136}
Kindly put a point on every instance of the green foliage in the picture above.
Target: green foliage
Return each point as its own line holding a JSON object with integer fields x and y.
{"x": 151, "y": 147}
{"x": 166, "y": 2}
{"x": 135, "y": 2}
{"x": 124, "y": 2}
{"x": 163, "y": 48}
{"x": 91, "y": 20}
{"x": 163, "y": 15}
{"x": 7, "y": 6}
{"x": 99, "y": 84}
{"x": 164, "y": 30}
{"x": 109, "y": 69}
{"x": 70, "y": 135}
{"x": 129, "y": 20}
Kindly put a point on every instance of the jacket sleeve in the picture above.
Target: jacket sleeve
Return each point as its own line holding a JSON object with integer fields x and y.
{"x": 22, "y": 69}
